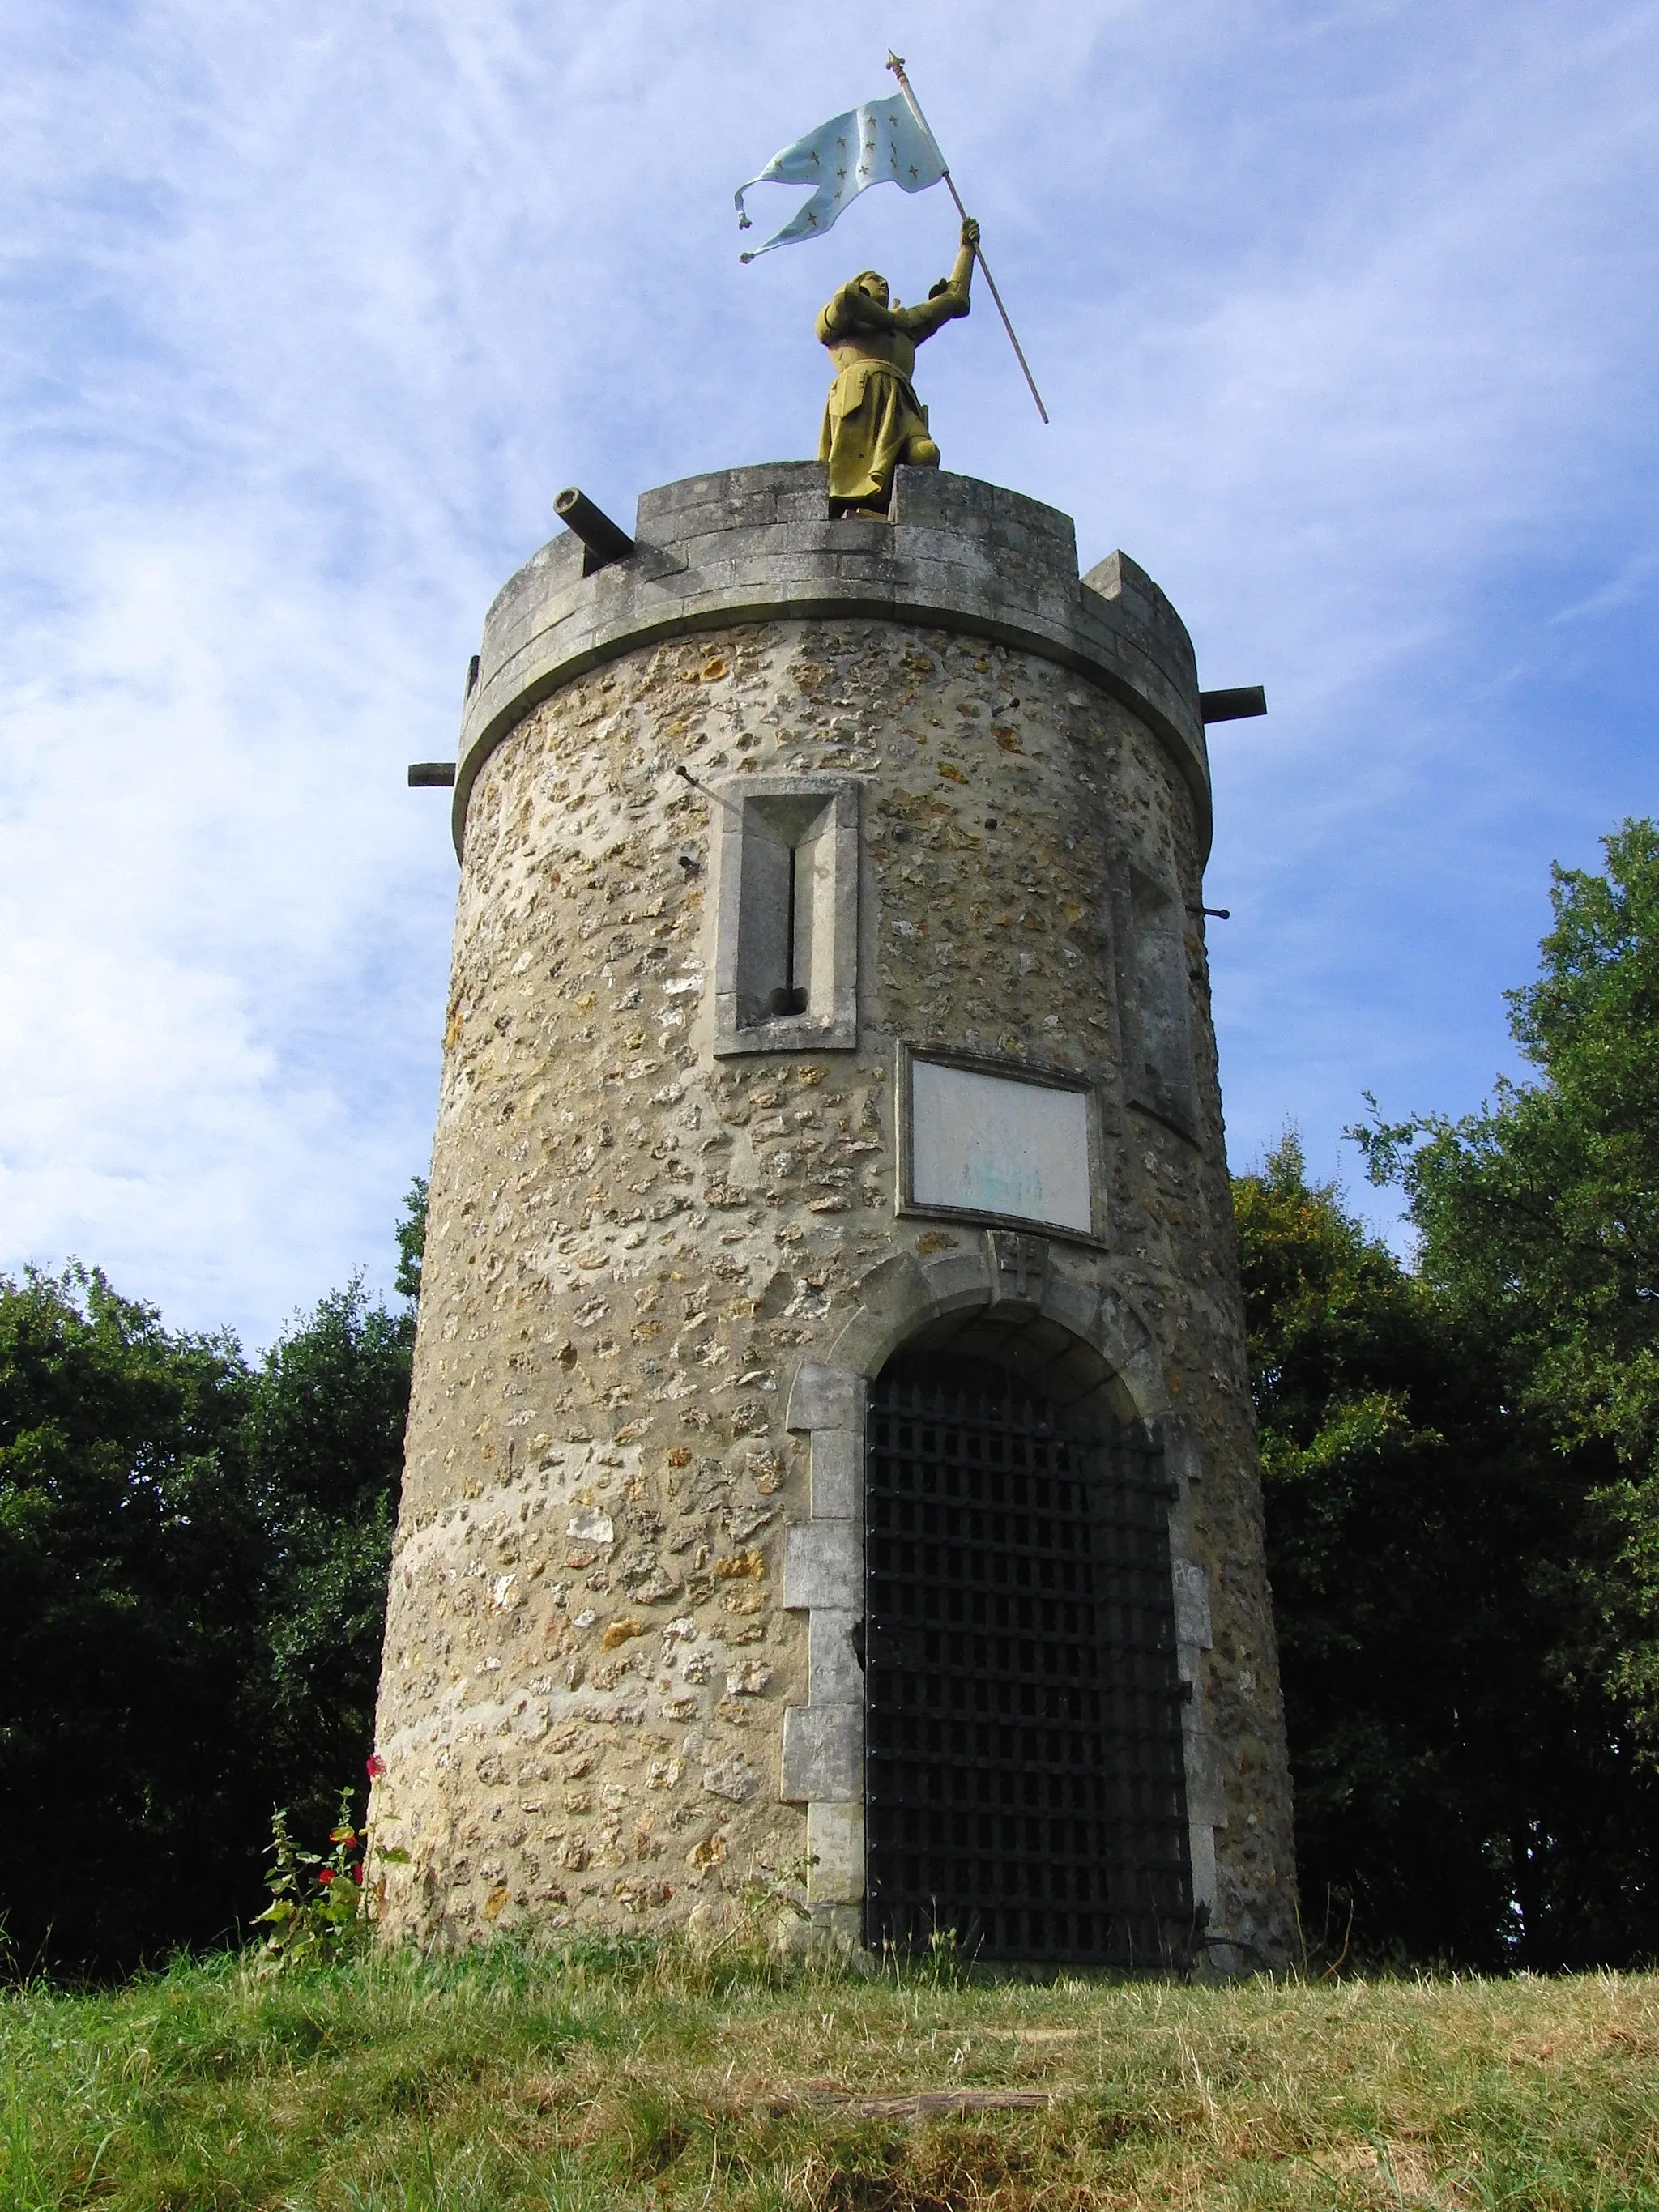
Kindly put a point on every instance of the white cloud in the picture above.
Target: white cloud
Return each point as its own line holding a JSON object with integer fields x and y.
{"x": 1345, "y": 315}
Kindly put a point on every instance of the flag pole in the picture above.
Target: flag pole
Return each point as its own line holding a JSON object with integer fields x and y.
{"x": 896, "y": 62}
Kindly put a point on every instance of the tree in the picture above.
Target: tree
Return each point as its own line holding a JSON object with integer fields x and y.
{"x": 411, "y": 1242}
{"x": 1454, "y": 1785}
{"x": 325, "y": 1442}
{"x": 1538, "y": 1220}
{"x": 193, "y": 1593}
{"x": 129, "y": 1565}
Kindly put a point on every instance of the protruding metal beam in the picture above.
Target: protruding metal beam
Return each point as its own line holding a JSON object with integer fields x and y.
{"x": 606, "y": 541}
{"x": 1232, "y": 706}
{"x": 432, "y": 776}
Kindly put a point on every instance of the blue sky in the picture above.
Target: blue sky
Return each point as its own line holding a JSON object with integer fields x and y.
{"x": 1346, "y": 316}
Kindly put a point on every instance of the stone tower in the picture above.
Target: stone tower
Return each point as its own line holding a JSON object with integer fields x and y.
{"x": 830, "y": 1454}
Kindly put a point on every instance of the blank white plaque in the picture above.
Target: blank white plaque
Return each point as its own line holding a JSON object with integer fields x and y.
{"x": 991, "y": 1144}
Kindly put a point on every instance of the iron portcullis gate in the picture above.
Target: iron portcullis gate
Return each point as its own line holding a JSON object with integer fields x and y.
{"x": 1024, "y": 1784}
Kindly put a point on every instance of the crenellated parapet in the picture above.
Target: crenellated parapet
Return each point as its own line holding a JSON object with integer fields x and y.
{"x": 758, "y": 544}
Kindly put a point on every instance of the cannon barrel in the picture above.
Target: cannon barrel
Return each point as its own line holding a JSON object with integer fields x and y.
{"x": 605, "y": 540}
{"x": 1233, "y": 705}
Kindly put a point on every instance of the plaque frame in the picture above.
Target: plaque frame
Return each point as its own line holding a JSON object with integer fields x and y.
{"x": 1039, "y": 1076}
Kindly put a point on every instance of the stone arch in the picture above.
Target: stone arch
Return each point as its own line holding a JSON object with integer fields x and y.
{"x": 1018, "y": 1291}
{"x": 1030, "y": 1306}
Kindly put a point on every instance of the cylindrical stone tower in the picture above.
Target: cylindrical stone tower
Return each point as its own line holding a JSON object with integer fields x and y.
{"x": 830, "y": 1454}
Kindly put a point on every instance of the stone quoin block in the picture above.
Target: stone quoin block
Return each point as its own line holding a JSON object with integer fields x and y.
{"x": 823, "y": 1754}
{"x": 823, "y": 1566}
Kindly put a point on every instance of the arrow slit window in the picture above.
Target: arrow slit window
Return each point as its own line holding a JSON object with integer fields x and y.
{"x": 786, "y": 960}
{"x": 1158, "y": 1039}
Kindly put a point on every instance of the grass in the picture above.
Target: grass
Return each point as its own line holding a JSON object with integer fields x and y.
{"x": 637, "y": 2078}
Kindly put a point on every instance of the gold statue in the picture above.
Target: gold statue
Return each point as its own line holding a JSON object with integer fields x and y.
{"x": 872, "y": 419}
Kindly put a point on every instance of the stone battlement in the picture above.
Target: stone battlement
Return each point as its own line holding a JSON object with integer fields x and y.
{"x": 758, "y": 544}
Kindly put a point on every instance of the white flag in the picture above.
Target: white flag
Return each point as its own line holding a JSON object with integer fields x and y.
{"x": 879, "y": 143}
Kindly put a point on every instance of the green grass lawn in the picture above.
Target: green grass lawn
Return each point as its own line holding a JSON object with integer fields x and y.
{"x": 651, "y": 2077}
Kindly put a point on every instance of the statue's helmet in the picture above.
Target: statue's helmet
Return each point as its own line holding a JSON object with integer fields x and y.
{"x": 872, "y": 282}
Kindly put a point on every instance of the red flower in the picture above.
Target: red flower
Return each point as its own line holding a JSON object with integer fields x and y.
{"x": 357, "y": 1873}
{"x": 376, "y": 1766}
{"x": 327, "y": 1874}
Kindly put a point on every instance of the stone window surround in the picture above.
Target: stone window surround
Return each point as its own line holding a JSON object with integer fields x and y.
{"x": 1014, "y": 1276}
{"x": 831, "y": 1027}
{"x": 1155, "y": 1012}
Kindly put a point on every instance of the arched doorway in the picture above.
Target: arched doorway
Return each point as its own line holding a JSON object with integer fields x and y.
{"x": 1025, "y": 1782}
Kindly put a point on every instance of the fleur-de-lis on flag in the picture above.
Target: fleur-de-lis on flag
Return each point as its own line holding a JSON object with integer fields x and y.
{"x": 893, "y": 148}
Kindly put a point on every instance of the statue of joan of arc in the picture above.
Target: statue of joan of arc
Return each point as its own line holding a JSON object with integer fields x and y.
{"x": 872, "y": 420}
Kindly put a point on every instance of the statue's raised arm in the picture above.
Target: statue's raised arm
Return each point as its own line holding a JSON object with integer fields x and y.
{"x": 872, "y": 420}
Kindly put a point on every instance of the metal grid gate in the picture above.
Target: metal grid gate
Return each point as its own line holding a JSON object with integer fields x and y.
{"x": 1023, "y": 1782}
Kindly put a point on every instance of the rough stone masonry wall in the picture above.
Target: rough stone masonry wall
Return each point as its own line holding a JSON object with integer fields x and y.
{"x": 632, "y": 1247}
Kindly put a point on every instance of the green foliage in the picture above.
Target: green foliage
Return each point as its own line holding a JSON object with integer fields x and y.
{"x": 130, "y": 1568}
{"x": 325, "y": 1437}
{"x": 1538, "y": 1219}
{"x": 192, "y": 1583}
{"x": 317, "y": 1910}
{"x": 1432, "y": 1551}
{"x": 1461, "y": 1467}
{"x": 643, "y": 2077}
{"x": 411, "y": 1242}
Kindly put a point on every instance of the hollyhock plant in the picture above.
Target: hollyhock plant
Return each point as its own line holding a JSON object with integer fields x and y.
{"x": 318, "y": 1909}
